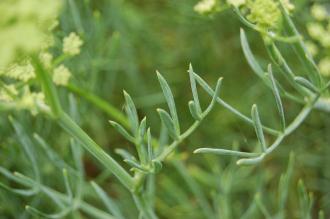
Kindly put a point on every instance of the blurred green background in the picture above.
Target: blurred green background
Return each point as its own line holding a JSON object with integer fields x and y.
{"x": 125, "y": 42}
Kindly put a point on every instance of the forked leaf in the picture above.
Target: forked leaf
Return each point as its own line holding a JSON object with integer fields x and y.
{"x": 307, "y": 84}
{"x": 131, "y": 113}
{"x": 170, "y": 100}
{"x": 258, "y": 127}
{"x": 277, "y": 96}
{"x": 194, "y": 89}
{"x": 122, "y": 131}
{"x": 169, "y": 124}
{"x": 216, "y": 91}
{"x": 193, "y": 110}
{"x": 215, "y": 96}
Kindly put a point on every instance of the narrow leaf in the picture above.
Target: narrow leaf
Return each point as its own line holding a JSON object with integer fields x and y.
{"x": 194, "y": 111}
{"x": 224, "y": 152}
{"x": 262, "y": 207}
{"x": 169, "y": 124}
{"x": 51, "y": 154}
{"x": 22, "y": 192}
{"x": 258, "y": 127}
{"x": 125, "y": 154}
{"x": 62, "y": 214}
{"x": 136, "y": 165}
{"x": 250, "y": 161}
{"x": 67, "y": 184}
{"x": 300, "y": 48}
{"x": 307, "y": 84}
{"x": 143, "y": 128}
{"x": 214, "y": 97}
{"x": 249, "y": 56}
{"x": 150, "y": 151}
{"x": 170, "y": 100}
{"x": 108, "y": 202}
{"x": 27, "y": 146}
{"x": 131, "y": 113}
{"x": 122, "y": 131}
{"x": 216, "y": 91}
{"x": 277, "y": 97}
{"x": 194, "y": 89}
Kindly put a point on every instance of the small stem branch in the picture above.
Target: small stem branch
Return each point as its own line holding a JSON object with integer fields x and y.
{"x": 292, "y": 127}
{"x": 168, "y": 150}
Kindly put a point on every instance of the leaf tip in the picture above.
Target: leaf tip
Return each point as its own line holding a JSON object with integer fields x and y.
{"x": 197, "y": 151}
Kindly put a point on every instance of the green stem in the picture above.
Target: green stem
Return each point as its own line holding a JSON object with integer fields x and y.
{"x": 48, "y": 88}
{"x": 168, "y": 150}
{"x": 71, "y": 127}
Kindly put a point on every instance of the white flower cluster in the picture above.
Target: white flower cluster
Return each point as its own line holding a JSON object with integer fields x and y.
{"x": 72, "y": 44}
{"x": 205, "y": 6}
{"x": 61, "y": 75}
{"x": 236, "y": 3}
{"x": 319, "y": 31}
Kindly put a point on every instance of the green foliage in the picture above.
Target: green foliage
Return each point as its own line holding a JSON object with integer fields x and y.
{"x": 56, "y": 148}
